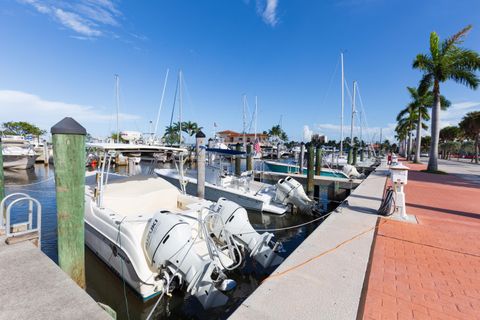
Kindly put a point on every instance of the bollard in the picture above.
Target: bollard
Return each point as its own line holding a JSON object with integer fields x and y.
{"x": 238, "y": 160}
{"x": 249, "y": 157}
{"x": 68, "y": 138}
{"x": 318, "y": 161}
{"x": 310, "y": 171}
{"x": 2, "y": 178}
{"x": 354, "y": 158}
{"x": 349, "y": 157}
{"x": 278, "y": 151}
{"x": 46, "y": 155}
{"x": 300, "y": 158}
{"x": 200, "y": 151}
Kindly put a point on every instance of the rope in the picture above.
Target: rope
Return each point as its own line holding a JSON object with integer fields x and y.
{"x": 324, "y": 252}
{"x": 119, "y": 239}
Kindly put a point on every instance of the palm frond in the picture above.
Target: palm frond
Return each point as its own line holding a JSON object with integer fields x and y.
{"x": 425, "y": 83}
{"x": 455, "y": 39}
{"x": 423, "y": 62}
{"x": 465, "y": 77}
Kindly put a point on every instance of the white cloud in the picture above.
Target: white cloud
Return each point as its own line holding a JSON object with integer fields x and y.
{"x": 267, "y": 9}
{"x": 368, "y": 134}
{"x": 454, "y": 114}
{"x": 88, "y": 18}
{"x": 22, "y": 106}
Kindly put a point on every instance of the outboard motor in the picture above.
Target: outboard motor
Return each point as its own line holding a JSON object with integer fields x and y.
{"x": 232, "y": 219}
{"x": 351, "y": 171}
{"x": 290, "y": 191}
{"x": 168, "y": 244}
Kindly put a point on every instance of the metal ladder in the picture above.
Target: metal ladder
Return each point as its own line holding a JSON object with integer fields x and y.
{"x": 15, "y": 230}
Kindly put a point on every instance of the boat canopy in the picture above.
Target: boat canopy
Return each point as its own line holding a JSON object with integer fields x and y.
{"x": 226, "y": 152}
{"x": 124, "y": 147}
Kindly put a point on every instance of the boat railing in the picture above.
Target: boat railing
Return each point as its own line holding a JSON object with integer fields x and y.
{"x": 18, "y": 229}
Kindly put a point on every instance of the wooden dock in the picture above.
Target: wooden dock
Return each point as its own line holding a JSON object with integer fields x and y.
{"x": 34, "y": 287}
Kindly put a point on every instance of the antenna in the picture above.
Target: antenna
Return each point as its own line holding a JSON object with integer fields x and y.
{"x": 161, "y": 101}
{"x": 180, "y": 106}
{"x": 117, "y": 97}
{"x": 343, "y": 106}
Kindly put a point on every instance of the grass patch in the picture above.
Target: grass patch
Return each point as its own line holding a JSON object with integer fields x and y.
{"x": 434, "y": 172}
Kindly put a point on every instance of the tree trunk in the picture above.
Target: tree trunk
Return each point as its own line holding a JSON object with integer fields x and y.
{"x": 419, "y": 137}
{"x": 433, "y": 160}
{"x": 477, "y": 138}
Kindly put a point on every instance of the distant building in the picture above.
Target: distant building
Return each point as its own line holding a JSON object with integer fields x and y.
{"x": 319, "y": 139}
{"x": 231, "y": 137}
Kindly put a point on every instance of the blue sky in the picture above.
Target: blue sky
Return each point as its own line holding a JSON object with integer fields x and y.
{"x": 58, "y": 58}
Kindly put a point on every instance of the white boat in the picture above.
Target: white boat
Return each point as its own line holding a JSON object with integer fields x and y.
{"x": 244, "y": 190}
{"x": 158, "y": 239}
{"x": 17, "y": 153}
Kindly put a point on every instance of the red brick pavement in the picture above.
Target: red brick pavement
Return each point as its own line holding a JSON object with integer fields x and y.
{"x": 429, "y": 270}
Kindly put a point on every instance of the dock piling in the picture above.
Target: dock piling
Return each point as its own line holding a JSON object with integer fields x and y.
{"x": 238, "y": 160}
{"x": 68, "y": 138}
{"x": 310, "y": 171}
{"x": 349, "y": 157}
{"x": 200, "y": 151}
{"x": 362, "y": 155}
{"x": 318, "y": 161}
{"x": 46, "y": 154}
{"x": 249, "y": 157}
{"x": 300, "y": 158}
{"x": 354, "y": 158}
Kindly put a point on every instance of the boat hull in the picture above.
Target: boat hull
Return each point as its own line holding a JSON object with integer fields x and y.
{"x": 292, "y": 168}
{"x": 18, "y": 161}
{"x": 214, "y": 193}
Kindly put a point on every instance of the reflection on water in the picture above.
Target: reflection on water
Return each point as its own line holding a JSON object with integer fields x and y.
{"x": 105, "y": 286}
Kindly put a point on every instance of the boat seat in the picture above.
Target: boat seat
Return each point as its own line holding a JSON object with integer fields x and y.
{"x": 140, "y": 195}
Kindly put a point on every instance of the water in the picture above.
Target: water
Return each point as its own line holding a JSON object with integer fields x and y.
{"x": 106, "y": 287}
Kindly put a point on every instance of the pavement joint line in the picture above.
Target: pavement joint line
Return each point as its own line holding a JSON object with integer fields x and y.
{"x": 429, "y": 245}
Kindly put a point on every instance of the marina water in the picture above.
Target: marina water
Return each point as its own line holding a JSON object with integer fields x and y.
{"x": 106, "y": 287}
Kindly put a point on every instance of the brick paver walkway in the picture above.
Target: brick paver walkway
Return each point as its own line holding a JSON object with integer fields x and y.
{"x": 429, "y": 270}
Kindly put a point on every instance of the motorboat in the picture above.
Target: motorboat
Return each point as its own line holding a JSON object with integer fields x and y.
{"x": 290, "y": 168}
{"x": 158, "y": 239}
{"x": 17, "y": 153}
{"x": 221, "y": 182}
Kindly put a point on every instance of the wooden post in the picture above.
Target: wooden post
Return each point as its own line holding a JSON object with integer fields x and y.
{"x": 349, "y": 157}
{"x": 318, "y": 161}
{"x": 2, "y": 178}
{"x": 310, "y": 170}
{"x": 238, "y": 160}
{"x": 200, "y": 151}
{"x": 68, "y": 138}
{"x": 46, "y": 155}
{"x": 369, "y": 153}
{"x": 249, "y": 157}
{"x": 300, "y": 158}
{"x": 210, "y": 154}
{"x": 362, "y": 157}
{"x": 354, "y": 158}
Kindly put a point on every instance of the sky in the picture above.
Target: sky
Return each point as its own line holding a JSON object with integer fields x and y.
{"x": 59, "y": 58}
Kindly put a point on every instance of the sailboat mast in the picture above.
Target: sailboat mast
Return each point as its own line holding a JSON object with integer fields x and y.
{"x": 256, "y": 110}
{"x": 244, "y": 117}
{"x": 353, "y": 112}
{"x": 343, "y": 106}
{"x": 117, "y": 98}
{"x": 161, "y": 101}
{"x": 180, "y": 108}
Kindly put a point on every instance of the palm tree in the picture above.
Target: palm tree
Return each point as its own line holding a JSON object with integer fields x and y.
{"x": 470, "y": 124}
{"x": 421, "y": 101}
{"x": 407, "y": 122}
{"x": 190, "y": 128}
{"x": 277, "y": 131}
{"x": 445, "y": 61}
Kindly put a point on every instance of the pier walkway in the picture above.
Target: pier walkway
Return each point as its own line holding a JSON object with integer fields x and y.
{"x": 34, "y": 287}
{"x": 429, "y": 270}
{"x": 323, "y": 278}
